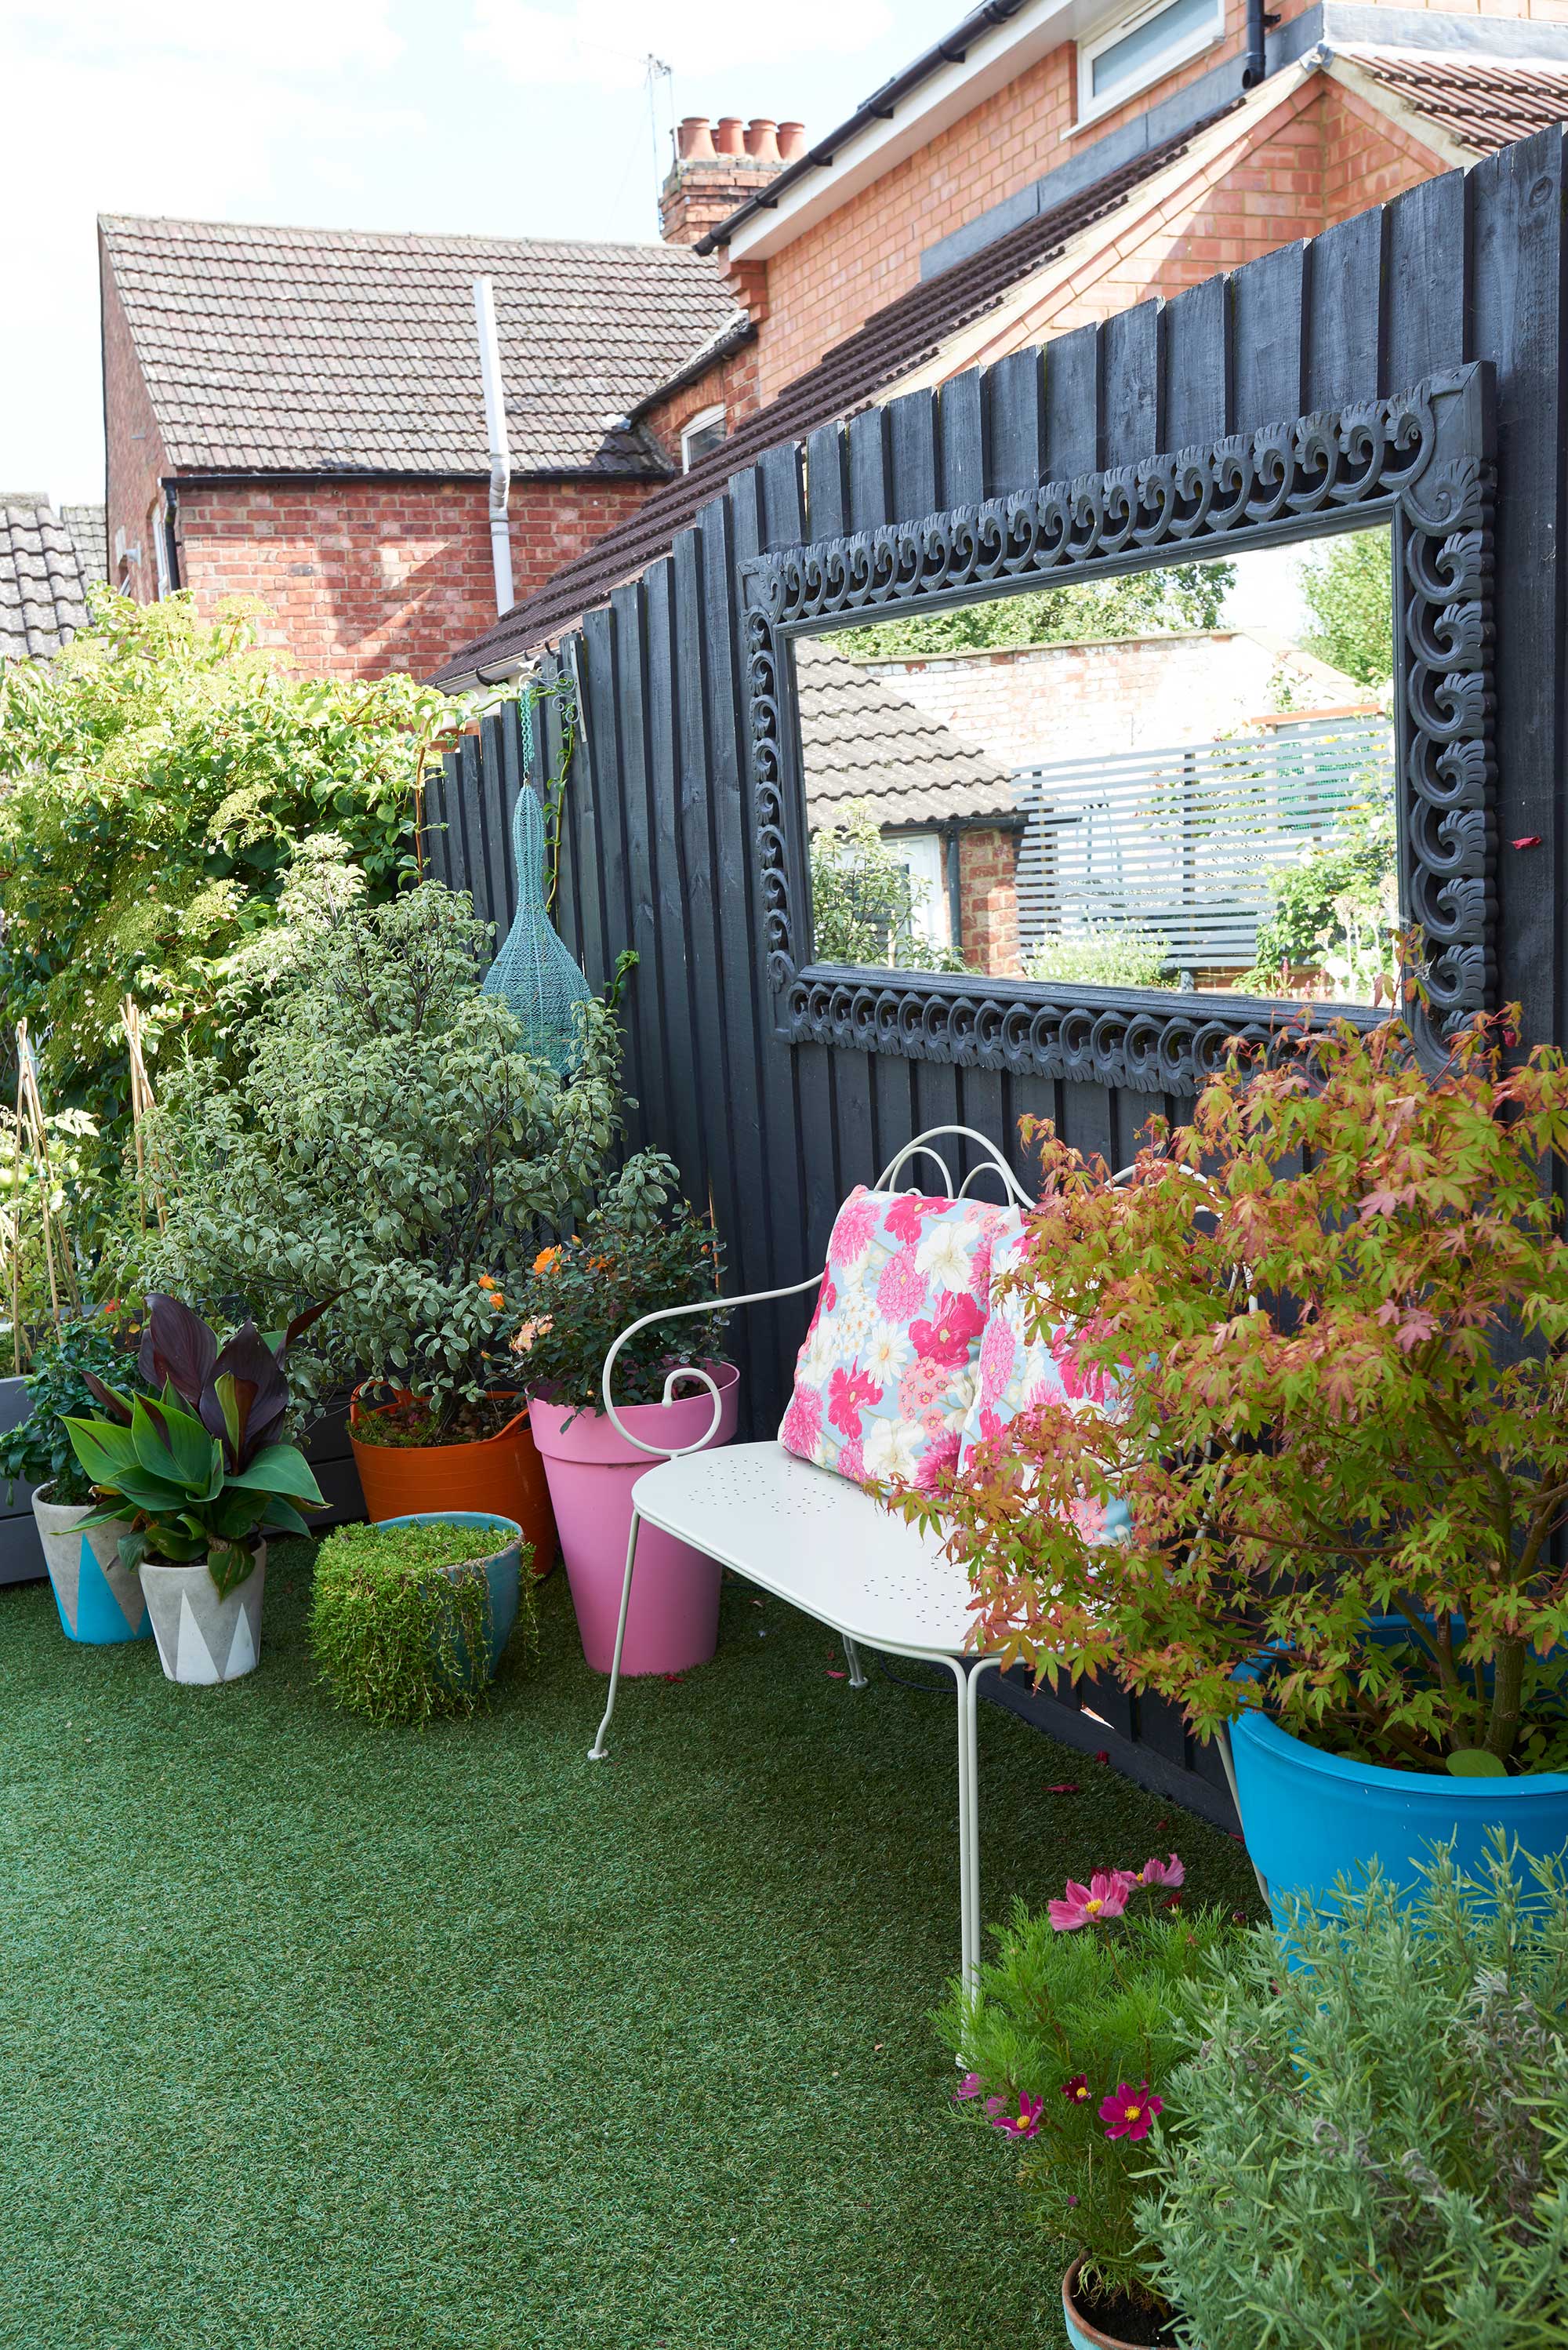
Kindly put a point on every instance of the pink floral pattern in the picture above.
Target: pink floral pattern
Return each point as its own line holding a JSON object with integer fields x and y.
{"x": 888, "y": 1374}
{"x": 1016, "y": 1374}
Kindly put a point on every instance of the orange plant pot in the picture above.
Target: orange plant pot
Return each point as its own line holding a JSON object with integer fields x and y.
{"x": 501, "y": 1472}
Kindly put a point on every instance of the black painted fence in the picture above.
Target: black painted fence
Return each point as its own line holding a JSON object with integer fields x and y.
{"x": 657, "y": 851}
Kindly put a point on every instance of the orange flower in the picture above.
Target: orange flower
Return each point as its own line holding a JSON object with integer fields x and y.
{"x": 547, "y": 1260}
{"x": 496, "y": 1302}
{"x": 487, "y": 1281}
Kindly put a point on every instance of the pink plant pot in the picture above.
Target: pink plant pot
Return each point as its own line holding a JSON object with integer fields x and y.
{"x": 673, "y": 1621}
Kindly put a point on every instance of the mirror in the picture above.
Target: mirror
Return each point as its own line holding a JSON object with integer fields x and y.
{"x": 1181, "y": 779}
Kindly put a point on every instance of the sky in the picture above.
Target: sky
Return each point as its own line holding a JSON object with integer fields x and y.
{"x": 495, "y": 116}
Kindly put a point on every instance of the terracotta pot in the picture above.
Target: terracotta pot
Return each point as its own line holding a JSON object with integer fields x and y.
{"x": 1081, "y": 2333}
{"x": 496, "y": 1476}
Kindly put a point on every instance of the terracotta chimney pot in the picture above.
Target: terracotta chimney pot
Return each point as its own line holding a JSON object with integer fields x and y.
{"x": 696, "y": 140}
{"x": 792, "y": 141}
{"x": 762, "y": 139}
{"x": 730, "y": 137}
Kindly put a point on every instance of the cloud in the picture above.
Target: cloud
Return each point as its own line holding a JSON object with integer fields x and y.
{"x": 606, "y": 44}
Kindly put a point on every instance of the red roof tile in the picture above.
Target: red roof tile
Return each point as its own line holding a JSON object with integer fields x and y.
{"x": 1483, "y": 106}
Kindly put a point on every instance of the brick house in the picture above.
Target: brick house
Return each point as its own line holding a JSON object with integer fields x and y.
{"x": 1052, "y": 163}
{"x": 298, "y": 415}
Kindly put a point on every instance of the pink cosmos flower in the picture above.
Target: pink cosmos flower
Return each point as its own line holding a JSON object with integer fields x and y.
{"x": 1105, "y": 1897}
{"x": 853, "y": 1227}
{"x": 802, "y": 1430}
{"x": 1162, "y": 1872}
{"x": 1076, "y": 2090}
{"x": 906, "y": 1219}
{"x": 970, "y": 2086}
{"x": 1026, "y": 2120}
{"x": 1129, "y": 2112}
{"x": 901, "y": 1290}
{"x": 956, "y": 1322}
{"x": 846, "y": 1392}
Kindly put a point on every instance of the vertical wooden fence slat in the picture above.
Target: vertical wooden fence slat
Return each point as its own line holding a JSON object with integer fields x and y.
{"x": 1516, "y": 320}
{"x": 1197, "y": 365}
{"x": 1345, "y": 322}
{"x": 1268, "y": 297}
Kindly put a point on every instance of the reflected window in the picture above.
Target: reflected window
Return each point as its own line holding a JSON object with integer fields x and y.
{"x": 1183, "y": 778}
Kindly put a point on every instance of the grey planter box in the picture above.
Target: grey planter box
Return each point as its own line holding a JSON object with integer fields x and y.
{"x": 325, "y": 1448}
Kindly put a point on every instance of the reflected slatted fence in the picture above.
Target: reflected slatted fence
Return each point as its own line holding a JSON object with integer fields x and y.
{"x": 1181, "y": 844}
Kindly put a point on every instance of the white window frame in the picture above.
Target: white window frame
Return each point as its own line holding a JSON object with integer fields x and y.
{"x": 923, "y": 856}
{"x": 702, "y": 422}
{"x": 1128, "y": 20}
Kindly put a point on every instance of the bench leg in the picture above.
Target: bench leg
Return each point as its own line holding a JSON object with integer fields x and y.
{"x": 852, "y": 1658}
{"x": 969, "y": 1838}
{"x": 598, "y": 1752}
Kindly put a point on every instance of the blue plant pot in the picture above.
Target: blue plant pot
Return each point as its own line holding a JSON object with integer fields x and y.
{"x": 1310, "y": 1817}
{"x": 502, "y": 1574}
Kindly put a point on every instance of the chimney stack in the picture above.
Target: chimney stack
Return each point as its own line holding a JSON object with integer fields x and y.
{"x": 717, "y": 166}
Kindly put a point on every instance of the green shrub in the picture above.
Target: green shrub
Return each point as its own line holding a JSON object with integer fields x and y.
{"x": 39, "y": 1452}
{"x": 1071, "y": 2040}
{"x": 154, "y": 781}
{"x": 641, "y": 1248}
{"x": 386, "y": 1141}
{"x": 389, "y": 1625}
{"x": 865, "y": 899}
{"x": 1106, "y": 954}
{"x": 1375, "y": 2139}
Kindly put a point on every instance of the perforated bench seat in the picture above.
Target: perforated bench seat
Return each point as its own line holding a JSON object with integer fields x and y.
{"x": 810, "y": 1537}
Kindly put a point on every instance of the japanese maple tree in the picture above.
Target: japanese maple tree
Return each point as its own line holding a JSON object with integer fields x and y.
{"x": 1337, "y": 1306}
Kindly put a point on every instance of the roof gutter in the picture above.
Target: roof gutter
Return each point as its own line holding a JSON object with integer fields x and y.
{"x": 880, "y": 106}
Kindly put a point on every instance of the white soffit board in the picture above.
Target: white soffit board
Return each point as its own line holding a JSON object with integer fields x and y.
{"x": 995, "y": 58}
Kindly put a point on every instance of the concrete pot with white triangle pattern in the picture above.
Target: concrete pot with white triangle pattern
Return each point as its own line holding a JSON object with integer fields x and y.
{"x": 100, "y": 1602}
{"x": 201, "y": 1638}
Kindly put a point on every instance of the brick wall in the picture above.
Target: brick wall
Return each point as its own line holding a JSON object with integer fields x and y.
{"x": 988, "y": 901}
{"x": 824, "y": 285}
{"x": 1026, "y": 704}
{"x": 368, "y": 577}
{"x": 134, "y": 449}
{"x": 1321, "y": 155}
{"x": 732, "y": 382}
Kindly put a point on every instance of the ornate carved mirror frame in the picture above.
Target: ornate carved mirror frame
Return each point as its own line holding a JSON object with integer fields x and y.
{"x": 1421, "y": 460}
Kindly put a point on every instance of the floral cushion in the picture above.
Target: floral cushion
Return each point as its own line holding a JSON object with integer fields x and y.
{"x": 1018, "y": 1373}
{"x": 887, "y": 1378}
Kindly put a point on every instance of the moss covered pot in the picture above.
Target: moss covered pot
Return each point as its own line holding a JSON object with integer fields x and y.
{"x": 410, "y": 1617}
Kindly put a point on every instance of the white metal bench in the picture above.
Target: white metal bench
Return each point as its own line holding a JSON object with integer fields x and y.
{"x": 814, "y": 1539}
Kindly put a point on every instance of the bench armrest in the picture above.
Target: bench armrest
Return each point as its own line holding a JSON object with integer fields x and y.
{"x": 688, "y": 1370}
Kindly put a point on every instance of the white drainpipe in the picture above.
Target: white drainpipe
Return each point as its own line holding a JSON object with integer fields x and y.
{"x": 500, "y": 453}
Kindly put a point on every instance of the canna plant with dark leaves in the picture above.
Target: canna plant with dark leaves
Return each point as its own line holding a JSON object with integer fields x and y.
{"x": 198, "y": 1463}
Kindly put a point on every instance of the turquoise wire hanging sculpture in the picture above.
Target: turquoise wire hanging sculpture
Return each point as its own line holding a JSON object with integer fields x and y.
{"x": 533, "y": 973}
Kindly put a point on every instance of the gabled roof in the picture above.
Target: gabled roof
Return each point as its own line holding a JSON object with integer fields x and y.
{"x": 891, "y": 343}
{"x": 47, "y": 562}
{"x": 1482, "y": 104}
{"x": 863, "y": 740}
{"x": 278, "y": 350}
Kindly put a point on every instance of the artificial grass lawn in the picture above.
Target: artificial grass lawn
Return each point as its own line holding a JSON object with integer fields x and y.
{"x": 316, "y": 2035}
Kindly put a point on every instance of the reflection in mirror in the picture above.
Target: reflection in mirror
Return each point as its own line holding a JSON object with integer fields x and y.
{"x": 1181, "y": 779}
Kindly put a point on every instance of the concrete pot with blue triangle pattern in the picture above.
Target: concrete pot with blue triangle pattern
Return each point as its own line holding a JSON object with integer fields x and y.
{"x": 203, "y": 1638}
{"x": 99, "y": 1601}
